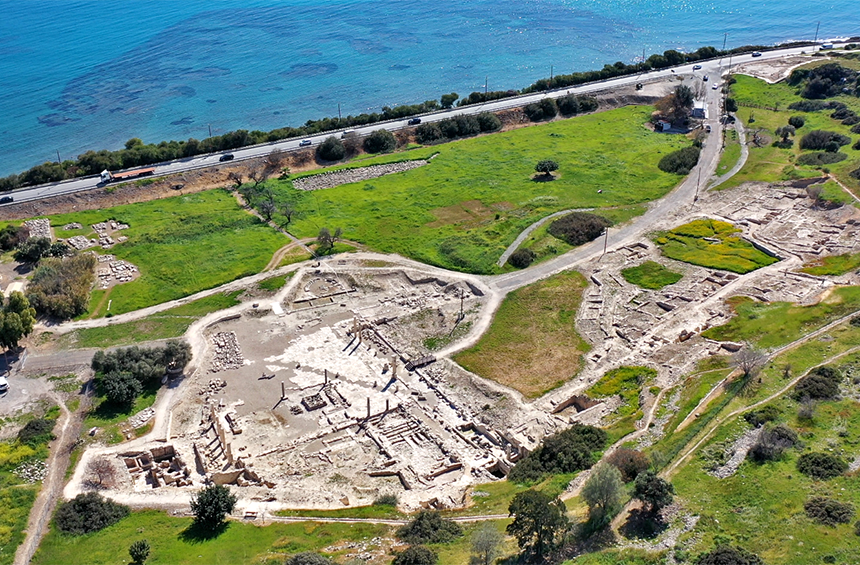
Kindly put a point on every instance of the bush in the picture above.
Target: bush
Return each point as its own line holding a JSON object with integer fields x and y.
{"x": 546, "y": 166}
{"x": 416, "y": 555}
{"x": 578, "y": 228}
{"x": 546, "y": 109}
{"x": 61, "y": 287}
{"x": 856, "y": 129}
{"x": 139, "y": 552}
{"x": 815, "y": 105}
{"x": 797, "y": 121}
{"x": 572, "y": 104}
{"x": 521, "y": 258}
{"x": 855, "y": 173}
{"x": 856, "y": 146}
{"x": 820, "y": 384}
{"x": 331, "y": 149}
{"x": 211, "y": 505}
{"x": 629, "y": 461}
{"x": 488, "y": 121}
{"x": 727, "y": 555}
{"x": 144, "y": 363}
{"x": 386, "y": 500}
{"x": 120, "y": 388}
{"x": 12, "y": 236}
{"x": 820, "y": 159}
{"x": 429, "y": 527}
{"x": 87, "y": 513}
{"x": 380, "y": 141}
{"x": 32, "y": 250}
{"x": 36, "y": 432}
{"x": 568, "y": 451}
{"x": 731, "y": 105}
{"x": 821, "y": 466}
{"x": 308, "y": 558}
{"x": 680, "y": 162}
{"x": 818, "y": 139}
{"x": 772, "y": 443}
{"x": 758, "y": 418}
{"x": 828, "y": 511}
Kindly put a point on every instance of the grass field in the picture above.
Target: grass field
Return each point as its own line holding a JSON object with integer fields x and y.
{"x": 651, "y": 275}
{"x": 731, "y": 154}
{"x": 687, "y": 243}
{"x": 181, "y": 245}
{"x": 463, "y": 209}
{"x": 834, "y": 265}
{"x": 532, "y": 344}
{"x": 626, "y": 382}
{"x": 770, "y": 163}
{"x": 170, "y": 323}
{"x": 772, "y": 324}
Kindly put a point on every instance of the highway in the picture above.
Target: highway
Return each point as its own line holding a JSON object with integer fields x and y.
{"x": 713, "y": 67}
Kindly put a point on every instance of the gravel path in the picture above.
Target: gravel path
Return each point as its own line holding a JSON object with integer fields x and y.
{"x": 527, "y": 232}
{"x": 745, "y": 153}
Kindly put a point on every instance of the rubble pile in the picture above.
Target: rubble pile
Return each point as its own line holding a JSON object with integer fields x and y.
{"x": 118, "y": 271}
{"x": 80, "y": 242}
{"x": 31, "y": 471}
{"x": 337, "y": 178}
{"x": 39, "y": 228}
{"x": 103, "y": 230}
{"x": 141, "y": 418}
{"x": 73, "y": 226}
{"x": 212, "y": 387}
{"x": 227, "y": 352}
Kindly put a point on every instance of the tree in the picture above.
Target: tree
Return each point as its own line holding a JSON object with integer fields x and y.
{"x": 33, "y": 249}
{"x": 11, "y": 236}
{"x": 546, "y": 166}
{"x": 274, "y": 162}
{"x": 521, "y": 258}
{"x": 267, "y": 209}
{"x": 416, "y": 555}
{"x": 731, "y": 105}
{"x": 380, "y": 141}
{"x": 539, "y": 521}
{"x": 814, "y": 192}
{"x": 486, "y": 542}
{"x": 59, "y": 249}
{"x": 429, "y": 527}
{"x": 797, "y": 121}
{"x": 727, "y": 555}
{"x": 603, "y": 492}
{"x": 750, "y": 361}
{"x": 17, "y": 319}
{"x": 103, "y": 470}
{"x": 448, "y": 100}
{"x": 236, "y": 178}
{"x": 139, "y": 552}
{"x": 785, "y": 132}
{"x": 61, "y": 287}
{"x": 325, "y": 241}
{"x": 331, "y": 149}
{"x": 308, "y": 558}
{"x": 87, "y": 513}
{"x": 288, "y": 210}
{"x": 629, "y": 462}
{"x": 654, "y": 492}
{"x": 121, "y": 388}
{"x": 211, "y": 505}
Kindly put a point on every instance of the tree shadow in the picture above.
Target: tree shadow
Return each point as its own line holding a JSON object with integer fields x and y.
{"x": 540, "y": 177}
{"x": 642, "y": 525}
{"x": 199, "y": 533}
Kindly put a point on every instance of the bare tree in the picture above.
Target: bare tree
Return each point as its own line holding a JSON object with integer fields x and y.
{"x": 814, "y": 191}
{"x": 288, "y": 210}
{"x": 257, "y": 174}
{"x": 274, "y": 162}
{"x": 749, "y": 360}
{"x": 103, "y": 470}
{"x": 236, "y": 178}
{"x": 267, "y": 208}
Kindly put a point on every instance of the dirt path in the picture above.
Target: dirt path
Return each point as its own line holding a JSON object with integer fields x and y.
{"x": 527, "y": 232}
{"x": 745, "y": 153}
{"x": 845, "y": 188}
{"x": 69, "y": 427}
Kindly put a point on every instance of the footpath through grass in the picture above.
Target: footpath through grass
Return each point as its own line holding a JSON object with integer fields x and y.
{"x": 464, "y": 208}
{"x": 711, "y": 243}
{"x": 651, "y": 275}
{"x": 532, "y": 345}
{"x": 181, "y": 245}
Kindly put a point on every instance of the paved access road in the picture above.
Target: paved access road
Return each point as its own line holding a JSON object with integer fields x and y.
{"x": 708, "y": 68}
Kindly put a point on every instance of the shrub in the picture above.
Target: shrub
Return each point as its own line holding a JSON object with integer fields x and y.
{"x": 820, "y": 384}
{"x": 821, "y": 466}
{"x": 331, "y": 149}
{"x": 139, "y": 552}
{"x": 429, "y": 527}
{"x": 856, "y": 146}
{"x": 828, "y": 511}
{"x": 416, "y": 555}
{"x": 120, "y": 388}
{"x": 521, "y": 258}
{"x": 546, "y": 109}
{"x": 426, "y": 134}
{"x": 87, "y": 513}
{"x": 386, "y": 500}
{"x": 567, "y": 451}
{"x": 36, "y": 432}
{"x": 818, "y": 139}
{"x": 629, "y": 461}
{"x": 32, "y": 250}
{"x": 61, "y": 287}
{"x": 856, "y": 129}
{"x": 855, "y": 173}
{"x": 758, "y": 418}
{"x": 308, "y": 558}
{"x": 546, "y": 166}
{"x": 815, "y": 105}
{"x": 728, "y": 555}
{"x": 654, "y": 492}
{"x": 578, "y": 228}
{"x": 572, "y": 104}
{"x": 12, "y": 236}
{"x": 680, "y": 162}
{"x": 488, "y": 121}
{"x": 380, "y": 141}
{"x": 772, "y": 443}
{"x": 851, "y": 120}
{"x": 211, "y": 505}
{"x": 821, "y": 158}
{"x": 797, "y": 121}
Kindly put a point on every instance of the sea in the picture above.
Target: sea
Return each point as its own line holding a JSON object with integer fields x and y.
{"x": 91, "y": 74}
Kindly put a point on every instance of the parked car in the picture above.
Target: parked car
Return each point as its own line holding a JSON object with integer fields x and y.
{"x": 705, "y": 78}
{"x": 6, "y": 200}
{"x": 414, "y": 121}
{"x": 697, "y": 67}
{"x": 756, "y": 54}
{"x": 305, "y": 143}
{"x": 4, "y": 385}
{"x": 716, "y": 86}
{"x": 226, "y": 157}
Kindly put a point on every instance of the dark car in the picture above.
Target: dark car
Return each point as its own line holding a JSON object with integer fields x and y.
{"x": 414, "y": 121}
{"x": 226, "y": 157}
{"x": 6, "y": 200}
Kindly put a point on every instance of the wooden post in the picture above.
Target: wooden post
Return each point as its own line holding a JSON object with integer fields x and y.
{"x": 368, "y": 407}
{"x": 283, "y": 391}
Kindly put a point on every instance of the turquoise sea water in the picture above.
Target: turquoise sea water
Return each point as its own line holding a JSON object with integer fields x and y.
{"x": 78, "y": 75}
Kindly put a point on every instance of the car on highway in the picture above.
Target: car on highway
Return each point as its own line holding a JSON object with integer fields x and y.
{"x": 347, "y": 133}
{"x": 705, "y": 78}
{"x": 226, "y": 157}
{"x": 756, "y": 54}
{"x": 697, "y": 67}
{"x": 305, "y": 143}
{"x": 6, "y": 200}
{"x": 4, "y": 385}
{"x": 414, "y": 121}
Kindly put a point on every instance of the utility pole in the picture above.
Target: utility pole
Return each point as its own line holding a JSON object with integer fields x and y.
{"x": 486, "y": 83}
{"x": 550, "y": 75}
{"x": 725, "y": 37}
{"x": 210, "y": 130}
{"x": 58, "y": 157}
{"x": 698, "y": 182}
{"x": 339, "y": 117}
{"x": 816, "y": 35}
